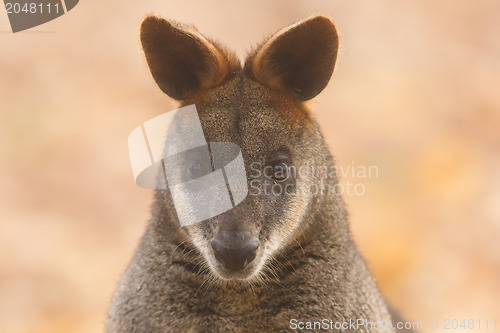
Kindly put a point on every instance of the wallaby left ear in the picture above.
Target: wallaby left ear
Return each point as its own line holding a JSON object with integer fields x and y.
{"x": 183, "y": 61}
{"x": 299, "y": 58}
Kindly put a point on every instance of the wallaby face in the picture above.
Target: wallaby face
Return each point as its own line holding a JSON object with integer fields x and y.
{"x": 285, "y": 251}
{"x": 260, "y": 108}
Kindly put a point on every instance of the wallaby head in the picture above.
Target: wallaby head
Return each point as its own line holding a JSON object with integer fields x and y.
{"x": 260, "y": 107}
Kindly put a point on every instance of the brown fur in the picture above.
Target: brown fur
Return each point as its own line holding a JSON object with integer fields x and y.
{"x": 299, "y": 59}
{"x": 194, "y": 63}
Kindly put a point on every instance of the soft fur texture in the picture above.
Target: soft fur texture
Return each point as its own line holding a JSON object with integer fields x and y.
{"x": 307, "y": 266}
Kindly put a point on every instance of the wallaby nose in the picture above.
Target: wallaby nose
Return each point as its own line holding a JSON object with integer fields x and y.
{"x": 235, "y": 249}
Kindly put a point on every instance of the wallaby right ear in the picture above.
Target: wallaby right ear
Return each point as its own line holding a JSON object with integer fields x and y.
{"x": 181, "y": 60}
{"x": 298, "y": 59}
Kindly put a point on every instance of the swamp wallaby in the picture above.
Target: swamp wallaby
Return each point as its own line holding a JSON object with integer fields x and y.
{"x": 280, "y": 260}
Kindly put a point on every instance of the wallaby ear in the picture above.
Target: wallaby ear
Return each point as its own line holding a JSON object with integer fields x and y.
{"x": 181, "y": 60}
{"x": 299, "y": 58}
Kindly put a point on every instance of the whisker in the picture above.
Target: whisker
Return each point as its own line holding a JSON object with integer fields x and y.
{"x": 296, "y": 241}
{"x": 173, "y": 252}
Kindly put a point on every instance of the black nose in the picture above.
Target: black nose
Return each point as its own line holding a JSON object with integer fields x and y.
{"x": 235, "y": 249}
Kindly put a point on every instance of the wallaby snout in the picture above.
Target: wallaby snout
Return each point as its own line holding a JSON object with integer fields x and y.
{"x": 234, "y": 248}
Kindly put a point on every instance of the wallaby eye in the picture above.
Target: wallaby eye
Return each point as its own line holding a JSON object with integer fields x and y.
{"x": 194, "y": 170}
{"x": 281, "y": 171}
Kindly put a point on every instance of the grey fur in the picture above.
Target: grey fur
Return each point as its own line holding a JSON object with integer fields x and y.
{"x": 308, "y": 267}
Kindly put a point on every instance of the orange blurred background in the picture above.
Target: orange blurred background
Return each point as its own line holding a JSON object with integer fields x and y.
{"x": 415, "y": 93}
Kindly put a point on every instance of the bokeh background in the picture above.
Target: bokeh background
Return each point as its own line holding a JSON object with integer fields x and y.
{"x": 415, "y": 93}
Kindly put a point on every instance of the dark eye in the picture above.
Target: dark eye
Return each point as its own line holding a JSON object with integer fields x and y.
{"x": 194, "y": 171}
{"x": 281, "y": 171}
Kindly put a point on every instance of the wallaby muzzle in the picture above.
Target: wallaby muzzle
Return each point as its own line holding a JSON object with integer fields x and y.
{"x": 234, "y": 248}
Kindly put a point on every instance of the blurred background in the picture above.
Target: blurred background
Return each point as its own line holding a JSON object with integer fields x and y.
{"x": 415, "y": 93}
